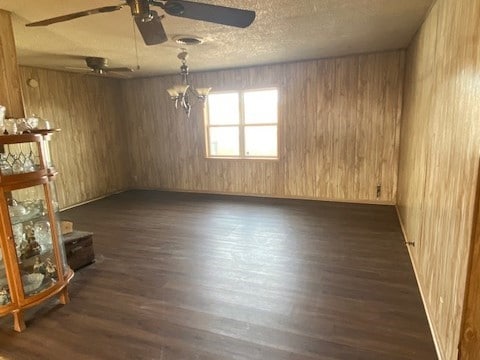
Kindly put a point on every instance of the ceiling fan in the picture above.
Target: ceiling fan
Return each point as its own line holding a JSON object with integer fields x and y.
{"x": 99, "y": 65}
{"x": 149, "y": 22}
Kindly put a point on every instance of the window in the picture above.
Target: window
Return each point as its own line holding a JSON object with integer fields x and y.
{"x": 242, "y": 124}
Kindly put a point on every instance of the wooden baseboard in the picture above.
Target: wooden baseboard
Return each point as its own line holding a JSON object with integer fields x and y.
{"x": 429, "y": 318}
{"x": 92, "y": 200}
{"x": 351, "y": 201}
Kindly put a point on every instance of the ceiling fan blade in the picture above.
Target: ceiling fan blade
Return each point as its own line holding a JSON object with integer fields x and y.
{"x": 118, "y": 74}
{"x": 75, "y": 15}
{"x": 76, "y": 68}
{"x": 206, "y": 12}
{"x": 152, "y": 31}
{"x": 119, "y": 69}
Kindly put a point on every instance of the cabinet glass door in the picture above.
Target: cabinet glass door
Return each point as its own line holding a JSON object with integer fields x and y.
{"x": 19, "y": 158}
{"x": 4, "y": 291}
{"x": 31, "y": 230}
{"x": 56, "y": 210}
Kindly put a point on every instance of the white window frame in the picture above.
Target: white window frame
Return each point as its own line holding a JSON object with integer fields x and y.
{"x": 241, "y": 126}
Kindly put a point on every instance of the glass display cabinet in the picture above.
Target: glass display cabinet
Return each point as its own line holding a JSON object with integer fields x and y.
{"x": 33, "y": 264}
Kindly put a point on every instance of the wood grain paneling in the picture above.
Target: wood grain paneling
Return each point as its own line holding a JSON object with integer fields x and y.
{"x": 90, "y": 151}
{"x": 439, "y": 159}
{"x": 470, "y": 334}
{"x": 10, "y": 91}
{"x": 338, "y": 132}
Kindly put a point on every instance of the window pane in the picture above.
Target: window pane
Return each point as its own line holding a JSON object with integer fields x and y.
{"x": 261, "y": 106}
{"x": 224, "y": 141}
{"x": 223, "y": 109}
{"x": 261, "y": 140}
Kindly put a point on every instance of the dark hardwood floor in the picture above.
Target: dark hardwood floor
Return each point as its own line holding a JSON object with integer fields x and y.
{"x": 188, "y": 276}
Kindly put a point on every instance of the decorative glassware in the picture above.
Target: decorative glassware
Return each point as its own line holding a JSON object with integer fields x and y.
{"x": 2, "y": 117}
{"x": 21, "y": 125}
{"x": 17, "y": 166}
{"x": 18, "y": 234}
{"x": 33, "y": 238}
{"x": 32, "y": 122}
{"x": 5, "y": 167}
{"x": 43, "y": 235}
{"x": 10, "y": 126}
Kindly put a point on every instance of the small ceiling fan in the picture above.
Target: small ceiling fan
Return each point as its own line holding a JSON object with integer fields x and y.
{"x": 149, "y": 22}
{"x": 99, "y": 65}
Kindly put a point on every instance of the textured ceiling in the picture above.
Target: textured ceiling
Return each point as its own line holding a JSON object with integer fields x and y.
{"x": 284, "y": 30}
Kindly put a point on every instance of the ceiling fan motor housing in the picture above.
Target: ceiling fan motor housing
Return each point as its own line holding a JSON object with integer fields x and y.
{"x": 174, "y": 8}
{"x": 96, "y": 63}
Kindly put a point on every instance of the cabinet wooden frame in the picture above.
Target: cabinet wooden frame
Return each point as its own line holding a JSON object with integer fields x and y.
{"x": 469, "y": 346}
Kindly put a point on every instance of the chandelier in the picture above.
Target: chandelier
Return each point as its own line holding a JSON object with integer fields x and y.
{"x": 185, "y": 95}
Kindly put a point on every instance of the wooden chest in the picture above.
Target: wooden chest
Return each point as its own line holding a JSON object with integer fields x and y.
{"x": 79, "y": 249}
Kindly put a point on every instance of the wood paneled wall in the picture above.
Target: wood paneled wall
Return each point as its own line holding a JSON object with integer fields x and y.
{"x": 10, "y": 92}
{"x": 90, "y": 152}
{"x": 470, "y": 333}
{"x": 338, "y": 132}
{"x": 439, "y": 161}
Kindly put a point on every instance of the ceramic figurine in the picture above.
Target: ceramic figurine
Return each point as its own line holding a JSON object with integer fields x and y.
{"x": 38, "y": 265}
{"x": 50, "y": 269}
{"x": 4, "y": 296}
{"x": 22, "y": 248}
{"x": 33, "y": 248}
{"x": 29, "y": 231}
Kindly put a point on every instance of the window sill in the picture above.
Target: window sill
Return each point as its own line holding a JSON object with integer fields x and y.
{"x": 268, "y": 159}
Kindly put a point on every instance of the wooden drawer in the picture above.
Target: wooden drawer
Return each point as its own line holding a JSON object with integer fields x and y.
{"x": 79, "y": 249}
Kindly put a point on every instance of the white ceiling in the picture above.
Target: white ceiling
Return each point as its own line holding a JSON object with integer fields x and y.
{"x": 284, "y": 30}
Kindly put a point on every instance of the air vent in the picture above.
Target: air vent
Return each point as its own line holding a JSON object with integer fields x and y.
{"x": 188, "y": 40}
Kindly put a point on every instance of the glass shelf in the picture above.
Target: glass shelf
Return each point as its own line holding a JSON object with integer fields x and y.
{"x": 31, "y": 216}
{"x": 35, "y": 283}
